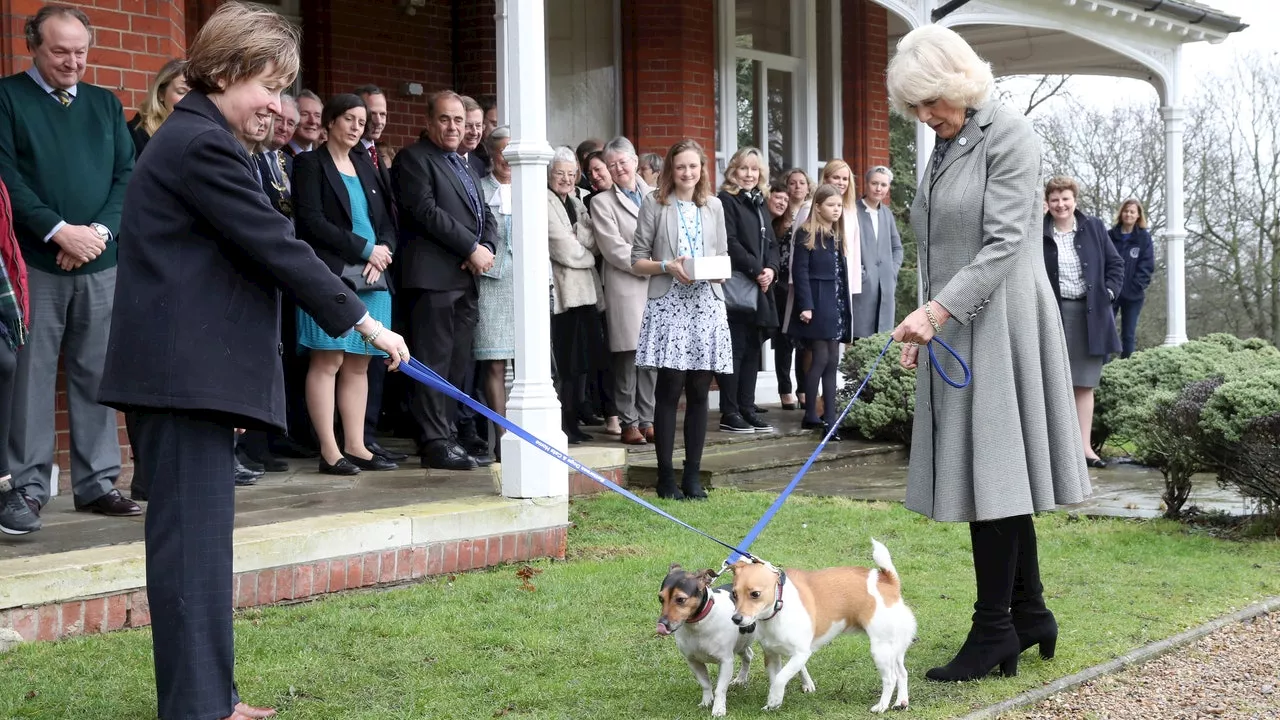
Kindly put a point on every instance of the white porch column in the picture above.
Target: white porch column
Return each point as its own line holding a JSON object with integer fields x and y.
{"x": 1175, "y": 235}
{"x": 526, "y": 470}
{"x": 503, "y": 66}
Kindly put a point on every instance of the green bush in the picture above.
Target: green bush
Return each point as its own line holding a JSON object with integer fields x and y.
{"x": 1179, "y": 406}
{"x": 886, "y": 407}
{"x": 1240, "y": 428}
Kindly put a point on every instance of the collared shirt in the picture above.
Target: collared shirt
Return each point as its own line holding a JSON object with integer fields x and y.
{"x": 874, "y": 214}
{"x": 298, "y": 149}
{"x": 635, "y": 195}
{"x": 1070, "y": 272}
{"x": 34, "y": 74}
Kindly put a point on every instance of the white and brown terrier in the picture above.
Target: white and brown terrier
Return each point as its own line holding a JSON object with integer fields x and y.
{"x": 702, "y": 620}
{"x": 795, "y": 612}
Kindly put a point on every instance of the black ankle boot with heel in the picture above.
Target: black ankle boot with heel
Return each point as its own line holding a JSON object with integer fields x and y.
{"x": 691, "y": 484}
{"x": 992, "y": 641}
{"x": 1033, "y": 621}
{"x": 667, "y": 489}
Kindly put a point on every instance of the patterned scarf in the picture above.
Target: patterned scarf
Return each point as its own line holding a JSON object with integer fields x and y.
{"x": 14, "y": 310}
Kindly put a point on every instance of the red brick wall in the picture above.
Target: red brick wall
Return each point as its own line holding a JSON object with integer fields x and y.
{"x": 668, "y": 64}
{"x": 866, "y": 105}
{"x": 477, "y": 60}
{"x": 348, "y": 43}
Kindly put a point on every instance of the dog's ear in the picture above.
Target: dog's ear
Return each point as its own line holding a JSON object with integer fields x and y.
{"x": 706, "y": 577}
{"x": 674, "y": 566}
{"x": 738, "y": 565}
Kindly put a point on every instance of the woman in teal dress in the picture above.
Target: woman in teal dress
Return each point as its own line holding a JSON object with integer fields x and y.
{"x": 495, "y": 339}
{"x": 340, "y": 211}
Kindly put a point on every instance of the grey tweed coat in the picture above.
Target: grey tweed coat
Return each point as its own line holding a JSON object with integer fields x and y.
{"x": 1009, "y": 444}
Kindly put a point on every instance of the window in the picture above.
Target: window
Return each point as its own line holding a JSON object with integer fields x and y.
{"x": 582, "y": 70}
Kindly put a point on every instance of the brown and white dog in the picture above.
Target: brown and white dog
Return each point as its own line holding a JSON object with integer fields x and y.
{"x": 796, "y": 612}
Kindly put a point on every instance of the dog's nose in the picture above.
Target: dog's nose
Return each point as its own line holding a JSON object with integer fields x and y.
{"x": 737, "y": 618}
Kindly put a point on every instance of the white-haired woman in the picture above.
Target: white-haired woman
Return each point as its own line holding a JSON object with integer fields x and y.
{"x": 495, "y": 333}
{"x": 614, "y": 213}
{"x": 873, "y": 308}
{"x": 577, "y": 339}
{"x": 1006, "y": 446}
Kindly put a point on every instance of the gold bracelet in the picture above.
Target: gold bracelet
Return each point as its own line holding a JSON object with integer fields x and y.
{"x": 933, "y": 319}
{"x": 371, "y": 337}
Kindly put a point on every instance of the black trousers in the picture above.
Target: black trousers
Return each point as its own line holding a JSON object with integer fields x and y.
{"x": 738, "y": 391}
{"x": 442, "y": 326}
{"x": 188, "y": 465}
{"x": 8, "y": 368}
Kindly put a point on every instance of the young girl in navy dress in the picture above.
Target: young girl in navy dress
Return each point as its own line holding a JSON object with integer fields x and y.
{"x": 820, "y": 282}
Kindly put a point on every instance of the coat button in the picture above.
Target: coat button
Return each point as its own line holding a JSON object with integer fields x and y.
{"x": 963, "y": 141}
{"x": 280, "y": 348}
{"x": 342, "y": 298}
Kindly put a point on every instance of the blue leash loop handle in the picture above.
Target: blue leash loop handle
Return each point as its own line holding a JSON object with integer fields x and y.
{"x": 425, "y": 375}
{"x": 782, "y": 497}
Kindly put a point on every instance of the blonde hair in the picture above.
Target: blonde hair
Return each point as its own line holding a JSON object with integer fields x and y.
{"x": 813, "y": 225}
{"x": 667, "y": 177}
{"x": 731, "y": 185}
{"x": 153, "y": 111}
{"x": 832, "y": 167}
{"x": 1142, "y": 213}
{"x": 238, "y": 42}
{"x": 935, "y": 63}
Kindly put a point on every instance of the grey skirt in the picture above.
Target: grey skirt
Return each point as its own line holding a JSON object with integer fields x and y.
{"x": 1086, "y": 369}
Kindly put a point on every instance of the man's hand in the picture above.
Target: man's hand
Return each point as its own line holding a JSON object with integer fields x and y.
{"x": 481, "y": 260}
{"x": 66, "y": 262}
{"x": 381, "y": 257}
{"x": 80, "y": 242}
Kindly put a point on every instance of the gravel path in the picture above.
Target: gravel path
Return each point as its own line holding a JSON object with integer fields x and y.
{"x": 1233, "y": 674}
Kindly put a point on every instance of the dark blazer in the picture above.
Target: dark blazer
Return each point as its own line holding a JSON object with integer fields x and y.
{"x": 438, "y": 227}
{"x": 322, "y": 208}
{"x": 140, "y": 136}
{"x": 281, "y": 201}
{"x": 1139, "y": 256}
{"x": 818, "y": 286}
{"x": 752, "y": 248}
{"x": 197, "y": 313}
{"x": 1103, "y": 272}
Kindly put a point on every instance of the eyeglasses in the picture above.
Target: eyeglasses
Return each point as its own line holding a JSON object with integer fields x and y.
{"x": 617, "y": 165}
{"x": 563, "y": 174}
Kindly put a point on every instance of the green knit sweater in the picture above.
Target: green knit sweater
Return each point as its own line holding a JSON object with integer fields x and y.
{"x": 62, "y": 164}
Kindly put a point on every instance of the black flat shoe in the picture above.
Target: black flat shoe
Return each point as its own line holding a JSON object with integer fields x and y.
{"x": 1095, "y": 462}
{"x": 392, "y": 455}
{"x": 376, "y": 463}
{"x": 790, "y": 406}
{"x": 811, "y": 425}
{"x": 835, "y": 436}
{"x": 343, "y": 467}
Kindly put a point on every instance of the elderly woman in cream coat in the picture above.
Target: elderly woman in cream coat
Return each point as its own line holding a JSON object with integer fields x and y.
{"x": 613, "y": 218}
{"x": 576, "y": 335}
{"x": 1008, "y": 445}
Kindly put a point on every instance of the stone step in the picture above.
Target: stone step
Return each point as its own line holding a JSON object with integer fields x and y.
{"x": 768, "y": 459}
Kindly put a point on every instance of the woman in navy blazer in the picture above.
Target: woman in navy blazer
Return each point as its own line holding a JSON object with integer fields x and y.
{"x": 339, "y": 210}
{"x": 195, "y": 339}
{"x": 823, "y": 319}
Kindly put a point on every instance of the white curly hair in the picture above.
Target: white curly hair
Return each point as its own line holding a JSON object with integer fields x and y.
{"x": 932, "y": 63}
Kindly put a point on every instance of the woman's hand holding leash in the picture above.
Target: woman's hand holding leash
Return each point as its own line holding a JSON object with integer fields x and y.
{"x": 377, "y": 335}
{"x": 919, "y": 328}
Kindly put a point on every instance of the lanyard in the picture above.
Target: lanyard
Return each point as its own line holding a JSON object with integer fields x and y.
{"x": 695, "y": 250}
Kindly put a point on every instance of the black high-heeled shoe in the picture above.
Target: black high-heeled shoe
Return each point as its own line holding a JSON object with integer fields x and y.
{"x": 1045, "y": 635}
{"x": 691, "y": 484}
{"x": 667, "y": 489}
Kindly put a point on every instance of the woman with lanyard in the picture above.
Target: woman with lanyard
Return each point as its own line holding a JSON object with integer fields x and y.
{"x": 685, "y": 331}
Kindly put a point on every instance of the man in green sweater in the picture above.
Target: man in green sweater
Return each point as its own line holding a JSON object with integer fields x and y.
{"x": 66, "y": 155}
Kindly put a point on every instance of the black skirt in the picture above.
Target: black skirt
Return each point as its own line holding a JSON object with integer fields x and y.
{"x": 577, "y": 341}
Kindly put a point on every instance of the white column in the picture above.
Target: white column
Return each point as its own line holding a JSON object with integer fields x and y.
{"x": 1175, "y": 234}
{"x": 503, "y": 67}
{"x": 526, "y": 470}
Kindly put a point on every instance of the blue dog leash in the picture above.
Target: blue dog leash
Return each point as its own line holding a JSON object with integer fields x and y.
{"x": 795, "y": 481}
{"x": 431, "y": 379}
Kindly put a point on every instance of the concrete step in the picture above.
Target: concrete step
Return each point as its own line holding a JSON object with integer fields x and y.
{"x": 770, "y": 459}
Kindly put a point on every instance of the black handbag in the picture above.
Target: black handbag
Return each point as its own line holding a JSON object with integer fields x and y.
{"x": 353, "y": 276}
{"x": 741, "y": 293}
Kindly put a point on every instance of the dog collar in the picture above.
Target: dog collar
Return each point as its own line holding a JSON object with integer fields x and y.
{"x": 777, "y": 594}
{"x": 704, "y": 609}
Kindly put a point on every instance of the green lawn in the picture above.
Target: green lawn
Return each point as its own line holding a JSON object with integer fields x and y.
{"x": 582, "y": 644}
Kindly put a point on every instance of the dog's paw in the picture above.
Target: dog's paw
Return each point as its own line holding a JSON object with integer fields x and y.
{"x": 772, "y": 704}
{"x": 706, "y": 701}
{"x": 719, "y": 710}
{"x": 900, "y": 705}
{"x": 880, "y": 707}
{"x": 738, "y": 681}
{"x": 808, "y": 686}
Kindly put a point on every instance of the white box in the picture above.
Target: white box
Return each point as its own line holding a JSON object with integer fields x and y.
{"x": 716, "y": 267}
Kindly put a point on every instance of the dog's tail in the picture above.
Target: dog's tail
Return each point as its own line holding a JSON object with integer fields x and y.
{"x": 880, "y": 554}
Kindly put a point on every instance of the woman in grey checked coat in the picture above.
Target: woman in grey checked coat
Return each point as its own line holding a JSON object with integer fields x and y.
{"x": 1008, "y": 445}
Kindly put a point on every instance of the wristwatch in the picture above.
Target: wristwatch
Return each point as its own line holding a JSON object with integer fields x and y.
{"x": 102, "y": 231}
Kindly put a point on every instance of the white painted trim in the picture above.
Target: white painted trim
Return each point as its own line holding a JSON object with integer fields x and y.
{"x": 618, "y": 123}
{"x": 726, "y": 27}
{"x": 805, "y": 145}
{"x": 837, "y": 78}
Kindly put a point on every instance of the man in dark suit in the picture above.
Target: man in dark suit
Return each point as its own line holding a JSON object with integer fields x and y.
{"x": 448, "y": 235}
{"x": 376, "y": 107}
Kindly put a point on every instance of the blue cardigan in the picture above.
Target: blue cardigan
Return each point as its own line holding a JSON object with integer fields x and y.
{"x": 1139, "y": 255}
{"x": 1103, "y": 271}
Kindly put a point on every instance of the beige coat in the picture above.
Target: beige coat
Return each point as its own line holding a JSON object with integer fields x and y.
{"x": 573, "y": 256}
{"x": 1008, "y": 444}
{"x": 613, "y": 218}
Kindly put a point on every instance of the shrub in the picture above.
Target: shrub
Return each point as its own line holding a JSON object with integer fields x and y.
{"x": 1173, "y": 439}
{"x": 886, "y": 407}
{"x": 1240, "y": 428}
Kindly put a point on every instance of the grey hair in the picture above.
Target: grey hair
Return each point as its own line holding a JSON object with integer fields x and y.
{"x": 33, "y": 29}
{"x": 621, "y": 146}
{"x": 879, "y": 170}
{"x": 308, "y": 95}
{"x": 287, "y": 99}
{"x": 563, "y": 155}
{"x": 502, "y": 132}
{"x": 932, "y": 63}
{"x": 651, "y": 162}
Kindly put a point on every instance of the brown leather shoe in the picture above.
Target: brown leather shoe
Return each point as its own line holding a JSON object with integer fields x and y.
{"x": 113, "y": 504}
{"x": 632, "y": 436}
{"x": 648, "y": 433}
{"x": 254, "y": 712}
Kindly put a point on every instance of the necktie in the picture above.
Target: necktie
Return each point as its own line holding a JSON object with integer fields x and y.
{"x": 373, "y": 155}
{"x": 272, "y": 165}
{"x": 473, "y": 195}
{"x": 63, "y": 96}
